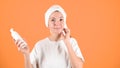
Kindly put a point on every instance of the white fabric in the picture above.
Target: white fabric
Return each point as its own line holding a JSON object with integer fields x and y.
{"x": 51, "y": 10}
{"x": 51, "y": 54}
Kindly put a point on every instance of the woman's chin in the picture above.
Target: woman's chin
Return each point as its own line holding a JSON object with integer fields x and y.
{"x": 58, "y": 32}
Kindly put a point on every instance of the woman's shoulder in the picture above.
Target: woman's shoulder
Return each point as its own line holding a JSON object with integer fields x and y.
{"x": 72, "y": 39}
{"x": 41, "y": 42}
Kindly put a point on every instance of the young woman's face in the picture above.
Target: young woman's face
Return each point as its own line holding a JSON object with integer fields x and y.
{"x": 56, "y": 22}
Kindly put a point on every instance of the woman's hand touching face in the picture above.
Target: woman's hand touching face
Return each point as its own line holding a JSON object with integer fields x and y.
{"x": 65, "y": 34}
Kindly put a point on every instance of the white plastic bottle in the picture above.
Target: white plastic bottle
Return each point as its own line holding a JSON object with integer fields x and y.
{"x": 16, "y": 36}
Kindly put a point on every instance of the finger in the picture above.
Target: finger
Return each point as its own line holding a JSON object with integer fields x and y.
{"x": 16, "y": 41}
{"x": 64, "y": 30}
{"x": 62, "y": 34}
{"x": 20, "y": 43}
{"x": 67, "y": 31}
{"x": 22, "y": 46}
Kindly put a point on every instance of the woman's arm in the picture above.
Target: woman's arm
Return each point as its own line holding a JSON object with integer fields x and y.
{"x": 75, "y": 61}
{"x": 27, "y": 61}
{"x": 24, "y": 49}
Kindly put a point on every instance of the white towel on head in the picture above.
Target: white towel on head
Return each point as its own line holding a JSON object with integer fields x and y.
{"x": 51, "y": 10}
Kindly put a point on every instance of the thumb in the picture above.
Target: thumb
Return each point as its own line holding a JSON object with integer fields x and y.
{"x": 62, "y": 36}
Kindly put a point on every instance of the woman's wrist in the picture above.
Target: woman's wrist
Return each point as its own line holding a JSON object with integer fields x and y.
{"x": 67, "y": 41}
{"x": 26, "y": 55}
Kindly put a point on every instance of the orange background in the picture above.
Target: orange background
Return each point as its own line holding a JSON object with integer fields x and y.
{"x": 94, "y": 24}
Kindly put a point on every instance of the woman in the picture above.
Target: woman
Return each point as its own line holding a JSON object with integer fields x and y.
{"x": 58, "y": 50}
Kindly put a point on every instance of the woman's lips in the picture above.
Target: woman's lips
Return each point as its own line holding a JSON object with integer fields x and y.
{"x": 57, "y": 28}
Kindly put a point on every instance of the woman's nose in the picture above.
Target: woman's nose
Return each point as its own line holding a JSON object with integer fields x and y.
{"x": 57, "y": 22}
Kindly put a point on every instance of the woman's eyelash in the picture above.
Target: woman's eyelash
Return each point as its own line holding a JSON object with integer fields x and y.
{"x": 52, "y": 20}
{"x": 61, "y": 19}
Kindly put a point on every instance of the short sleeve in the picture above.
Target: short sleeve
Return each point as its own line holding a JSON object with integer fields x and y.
{"x": 76, "y": 48}
{"x": 34, "y": 56}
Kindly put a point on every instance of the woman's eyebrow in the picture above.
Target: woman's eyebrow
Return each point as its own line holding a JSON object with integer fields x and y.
{"x": 52, "y": 17}
{"x": 61, "y": 17}
{"x": 55, "y": 17}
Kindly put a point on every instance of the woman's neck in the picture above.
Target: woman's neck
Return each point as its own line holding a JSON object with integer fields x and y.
{"x": 54, "y": 37}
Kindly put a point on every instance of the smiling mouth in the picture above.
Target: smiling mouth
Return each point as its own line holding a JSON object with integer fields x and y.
{"x": 57, "y": 27}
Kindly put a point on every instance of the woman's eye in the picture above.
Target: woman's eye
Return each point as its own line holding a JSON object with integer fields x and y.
{"x": 61, "y": 19}
{"x": 53, "y": 20}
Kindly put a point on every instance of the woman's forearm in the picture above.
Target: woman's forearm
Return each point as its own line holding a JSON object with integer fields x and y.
{"x": 75, "y": 61}
{"x": 27, "y": 61}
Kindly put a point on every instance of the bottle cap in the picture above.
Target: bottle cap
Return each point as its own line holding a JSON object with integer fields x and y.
{"x": 11, "y": 30}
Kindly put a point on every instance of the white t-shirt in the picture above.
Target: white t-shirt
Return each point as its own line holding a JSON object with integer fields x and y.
{"x": 52, "y": 54}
